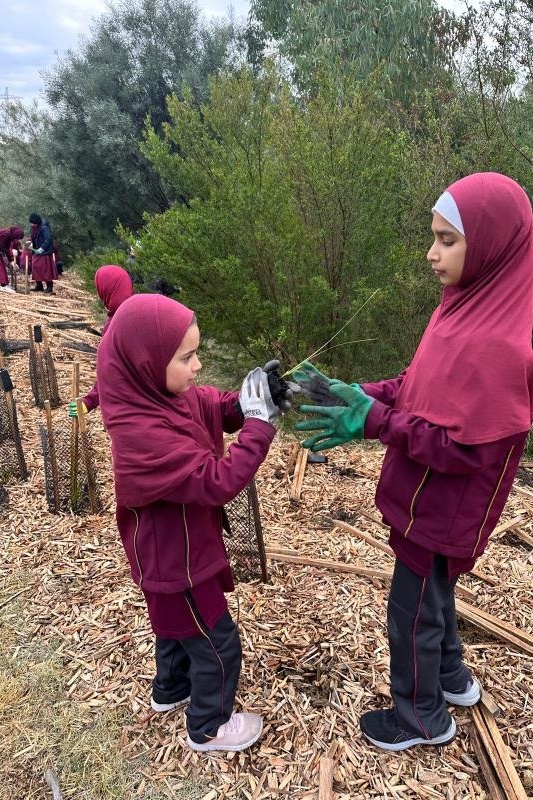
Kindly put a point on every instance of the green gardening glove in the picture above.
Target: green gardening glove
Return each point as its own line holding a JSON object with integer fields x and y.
{"x": 73, "y": 408}
{"x": 337, "y": 424}
{"x": 316, "y": 385}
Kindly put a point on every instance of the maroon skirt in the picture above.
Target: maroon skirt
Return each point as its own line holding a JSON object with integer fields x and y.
{"x": 43, "y": 268}
{"x": 3, "y": 272}
{"x": 171, "y": 616}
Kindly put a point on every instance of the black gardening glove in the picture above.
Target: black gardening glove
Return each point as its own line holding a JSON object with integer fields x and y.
{"x": 282, "y": 392}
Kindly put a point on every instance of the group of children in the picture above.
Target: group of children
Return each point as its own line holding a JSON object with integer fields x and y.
{"x": 455, "y": 423}
{"x": 37, "y": 255}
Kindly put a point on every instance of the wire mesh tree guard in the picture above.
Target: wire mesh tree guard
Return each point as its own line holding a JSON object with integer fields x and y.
{"x": 12, "y": 462}
{"x": 70, "y": 473}
{"x": 42, "y": 371}
{"x": 243, "y": 536}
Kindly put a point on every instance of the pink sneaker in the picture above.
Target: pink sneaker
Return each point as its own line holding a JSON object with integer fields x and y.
{"x": 238, "y": 733}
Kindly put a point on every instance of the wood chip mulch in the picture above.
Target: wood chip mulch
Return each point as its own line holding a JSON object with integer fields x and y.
{"x": 314, "y": 640}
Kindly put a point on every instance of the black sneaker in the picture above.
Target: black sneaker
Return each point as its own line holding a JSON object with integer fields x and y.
{"x": 383, "y": 730}
{"x": 470, "y": 696}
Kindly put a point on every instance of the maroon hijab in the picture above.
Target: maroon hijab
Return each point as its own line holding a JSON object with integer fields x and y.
{"x": 8, "y": 235}
{"x": 157, "y": 438}
{"x": 113, "y": 285}
{"x": 473, "y": 370}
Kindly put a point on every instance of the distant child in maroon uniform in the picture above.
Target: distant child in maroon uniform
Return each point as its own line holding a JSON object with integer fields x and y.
{"x": 43, "y": 268}
{"x": 8, "y": 238}
{"x": 172, "y": 480}
{"x": 455, "y": 423}
{"x": 113, "y": 285}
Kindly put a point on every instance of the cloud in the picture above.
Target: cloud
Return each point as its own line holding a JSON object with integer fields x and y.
{"x": 36, "y": 32}
{"x": 10, "y": 45}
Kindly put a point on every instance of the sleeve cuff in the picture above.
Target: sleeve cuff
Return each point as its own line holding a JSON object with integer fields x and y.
{"x": 375, "y": 419}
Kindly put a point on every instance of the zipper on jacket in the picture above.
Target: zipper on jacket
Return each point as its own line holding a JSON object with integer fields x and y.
{"x": 412, "y": 508}
{"x": 135, "y": 545}
{"x": 500, "y": 479}
{"x": 187, "y": 547}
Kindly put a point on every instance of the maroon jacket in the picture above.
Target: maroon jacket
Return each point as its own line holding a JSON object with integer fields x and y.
{"x": 92, "y": 398}
{"x": 440, "y": 495}
{"x": 176, "y": 542}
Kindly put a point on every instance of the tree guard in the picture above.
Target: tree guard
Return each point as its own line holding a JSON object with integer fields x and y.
{"x": 243, "y": 536}
{"x": 42, "y": 371}
{"x": 12, "y": 462}
{"x": 69, "y": 469}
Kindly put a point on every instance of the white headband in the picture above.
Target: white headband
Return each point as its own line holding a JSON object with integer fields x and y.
{"x": 447, "y": 208}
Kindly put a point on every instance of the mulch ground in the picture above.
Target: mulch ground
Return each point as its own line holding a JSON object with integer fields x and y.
{"x": 314, "y": 639}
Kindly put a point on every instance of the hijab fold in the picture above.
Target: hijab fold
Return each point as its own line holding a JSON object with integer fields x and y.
{"x": 473, "y": 370}
{"x": 157, "y": 438}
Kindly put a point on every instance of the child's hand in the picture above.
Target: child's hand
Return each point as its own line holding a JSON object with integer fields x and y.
{"x": 339, "y": 424}
{"x": 316, "y": 385}
{"x": 255, "y": 398}
{"x": 282, "y": 392}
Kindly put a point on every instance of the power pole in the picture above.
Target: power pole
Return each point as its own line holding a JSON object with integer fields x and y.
{"x": 7, "y": 98}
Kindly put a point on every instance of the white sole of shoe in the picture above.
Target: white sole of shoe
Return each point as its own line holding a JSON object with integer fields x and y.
{"x": 469, "y": 698}
{"x": 211, "y": 747}
{"x": 162, "y": 707}
{"x": 444, "y": 738}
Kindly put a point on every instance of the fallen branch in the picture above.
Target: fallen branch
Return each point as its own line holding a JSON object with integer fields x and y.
{"x": 498, "y": 755}
{"x": 366, "y": 537}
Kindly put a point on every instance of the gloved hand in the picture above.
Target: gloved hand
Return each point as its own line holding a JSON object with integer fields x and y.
{"x": 338, "y": 424}
{"x": 316, "y": 385}
{"x": 255, "y": 398}
{"x": 281, "y": 390}
{"x": 37, "y": 251}
{"x": 73, "y": 408}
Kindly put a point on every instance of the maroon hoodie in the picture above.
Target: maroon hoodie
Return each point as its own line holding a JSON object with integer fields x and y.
{"x": 171, "y": 475}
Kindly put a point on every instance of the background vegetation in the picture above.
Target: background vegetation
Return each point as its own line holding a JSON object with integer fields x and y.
{"x": 282, "y": 172}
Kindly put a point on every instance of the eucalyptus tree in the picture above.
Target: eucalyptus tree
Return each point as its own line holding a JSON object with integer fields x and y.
{"x": 409, "y": 40}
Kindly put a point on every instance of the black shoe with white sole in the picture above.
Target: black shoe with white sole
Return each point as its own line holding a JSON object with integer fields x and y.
{"x": 470, "y": 696}
{"x": 383, "y": 730}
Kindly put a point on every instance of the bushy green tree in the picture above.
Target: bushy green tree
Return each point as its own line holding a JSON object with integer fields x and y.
{"x": 291, "y": 220}
{"x": 102, "y": 93}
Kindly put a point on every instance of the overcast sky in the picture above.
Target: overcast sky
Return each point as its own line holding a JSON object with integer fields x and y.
{"x": 34, "y": 32}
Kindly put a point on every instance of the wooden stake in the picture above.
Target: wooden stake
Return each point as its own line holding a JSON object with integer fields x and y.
{"x": 489, "y": 772}
{"x": 299, "y": 473}
{"x": 325, "y": 788}
{"x": 503, "y": 752}
{"x": 498, "y": 627}
{"x": 52, "y": 454}
{"x": 26, "y": 275}
{"x": 291, "y": 462}
{"x": 74, "y": 441}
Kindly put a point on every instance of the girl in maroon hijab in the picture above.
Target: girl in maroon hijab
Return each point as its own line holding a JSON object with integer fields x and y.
{"x": 455, "y": 424}
{"x": 172, "y": 480}
{"x": 8, "y": 236}
{"x": 113, "y": 285}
